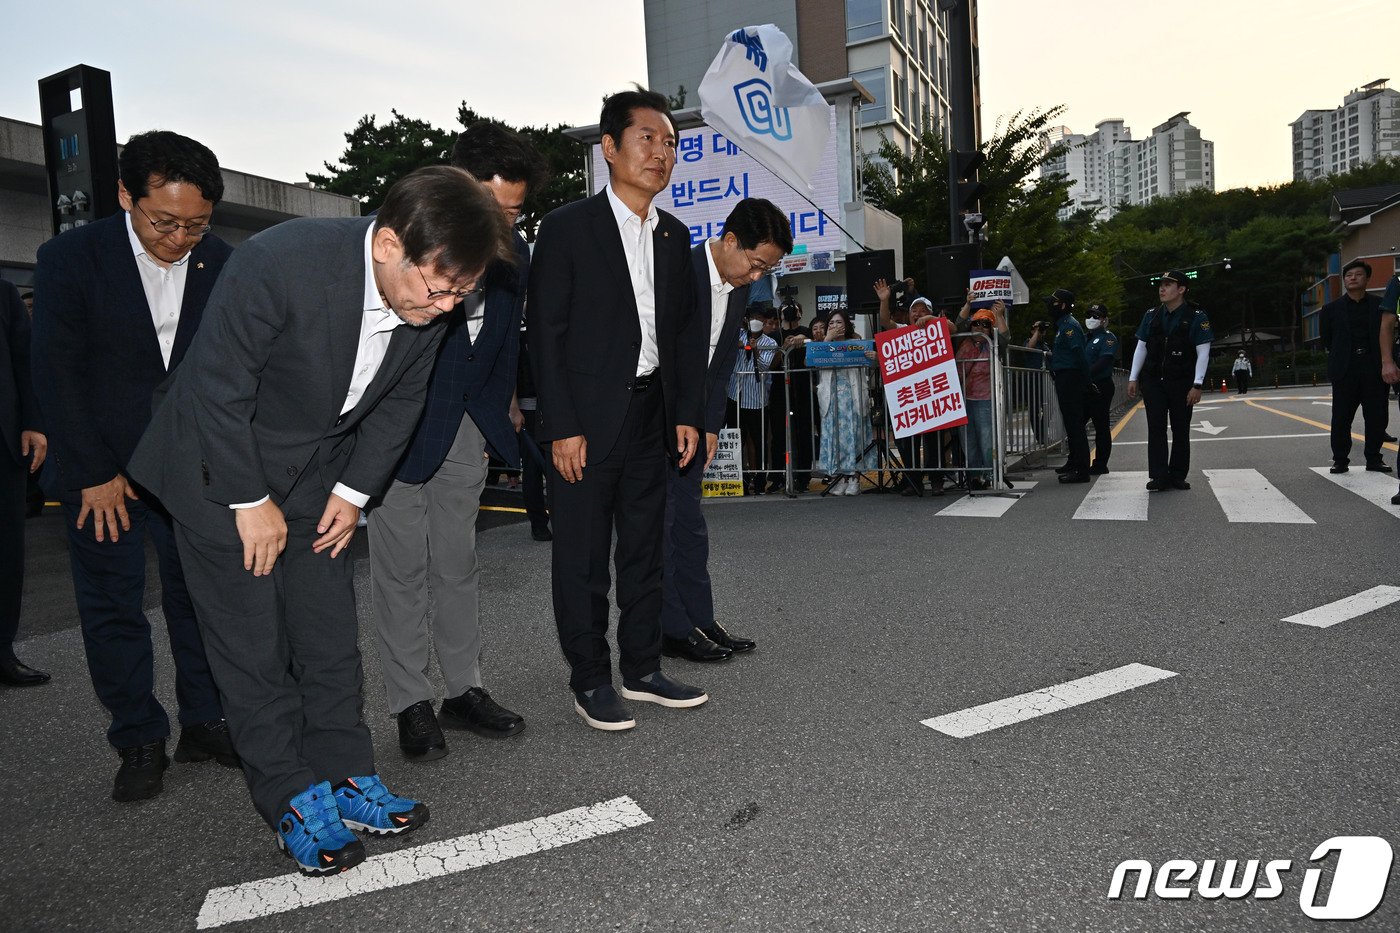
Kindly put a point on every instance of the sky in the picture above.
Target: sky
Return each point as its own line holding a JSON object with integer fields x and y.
{"x": 273, "y": 87}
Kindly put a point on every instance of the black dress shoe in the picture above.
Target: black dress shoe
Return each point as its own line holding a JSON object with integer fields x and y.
{"x": 1179, "y": 483}
{"x": 1377, "y": 466}
{"x": 1395, "y": 499}
{"x": 475, "y": 710}
{"x": 1338, "y": 467}
{"x": 1070, "y": 478}
{"x": 697, "y": 647}
{"x": 420, "y": 736}
{"x": 717, "y": 634}
{"x": 207, "y": 740}
{"x": 657, "y": 688}
{"x": 1064, "y": 468}
{"x": 1158, "y": 485}
{"x": 139, "y": 777}
{"x": 1389, "y": 439}
{"x": 602, "y": 709}
{"x": 542, "y": 533}
{"x": 1098, "y": 470}
{"x": 15, "y": 673}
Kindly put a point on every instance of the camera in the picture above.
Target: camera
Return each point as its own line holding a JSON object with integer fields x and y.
{"x": 974, "y": 222}
{"x": 1041, "y": 325}
{"x": 897, "y": 288}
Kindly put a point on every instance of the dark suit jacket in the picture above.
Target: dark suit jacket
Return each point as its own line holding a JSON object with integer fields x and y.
{"x": 257, "y": 403}
{"x": 474, "y": 378}
{"x": 18, "y": 410}
{"x": 96, "y": 359}
{"x": 1335, "y": 329}
{"x": 585, "y": 336}
{"x": 726, "y": 354}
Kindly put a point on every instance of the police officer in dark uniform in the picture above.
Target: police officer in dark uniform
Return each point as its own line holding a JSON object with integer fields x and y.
{"x": 1172, "y": 353}
{"x": 1352, "y": 334}
{"x": 1098, "y": 402}
{"x": 1069, "y": 367}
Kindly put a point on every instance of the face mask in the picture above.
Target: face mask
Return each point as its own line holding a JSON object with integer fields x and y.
{"x": 755, "y": 327}
{"x": 1094, "y": 323}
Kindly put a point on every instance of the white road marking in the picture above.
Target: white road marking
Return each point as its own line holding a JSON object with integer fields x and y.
{"x": 1377, "y": 597}
{"x": 1250, "y": 437}
{"x": 1116, "y": 497}
{"x": 1200, "y": 408}
{"x": 433, "y": 860}
{"x": 1328, "y": 404}
{"x": 1246, "y": 496}
{"x": 1208, "y": 428}
{"x": 1016, "y": 709}
{"x": 984, "y": 506}
{"x": 1375, "y": 488}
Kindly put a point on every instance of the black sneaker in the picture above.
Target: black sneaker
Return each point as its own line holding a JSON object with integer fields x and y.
{"x": 475, "y": 710}
{"x": 657, "y": 688}
{"x": 602, "y": 709}
{"x": 139, "y": 777}
{"x": 207, "y": 740}
{"x": 420, "y": 736}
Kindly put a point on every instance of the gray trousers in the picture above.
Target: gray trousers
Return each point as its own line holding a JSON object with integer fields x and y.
{"x": 424, "y": 575}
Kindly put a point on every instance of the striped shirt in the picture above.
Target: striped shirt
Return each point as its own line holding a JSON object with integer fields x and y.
{"x": 749, "y": 384}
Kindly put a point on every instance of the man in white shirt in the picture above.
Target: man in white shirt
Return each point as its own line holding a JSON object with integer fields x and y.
{"x": 297, "y": 400}
{"x": 117, "y": 304}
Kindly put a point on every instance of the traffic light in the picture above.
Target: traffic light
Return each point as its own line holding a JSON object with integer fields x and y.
{"x": 967, "y": 189}
{"x": 80, "y": 146}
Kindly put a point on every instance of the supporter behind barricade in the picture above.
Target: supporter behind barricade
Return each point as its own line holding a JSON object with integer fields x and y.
{"x": 818, "y": 407}
{"x": 845, "y": 416}
{"x": 1031, "y": 392}
{"x": 794, "y": 338}
{"x": 923, "y": 454}
{"x": 1102, "y": 352}
{"x": 775, "y": 410}
{"x": 975, "y": 372}
{"x": 748, "y": 391}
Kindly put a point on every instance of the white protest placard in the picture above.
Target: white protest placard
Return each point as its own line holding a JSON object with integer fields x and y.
{"x": 922, "y": 388}
{"x": 724, "y": 476}
{"x": 988, "y": 286}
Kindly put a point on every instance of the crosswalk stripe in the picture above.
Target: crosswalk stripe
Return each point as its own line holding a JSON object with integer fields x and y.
{"x": 1025, "y": 706}
{"x": 984, "y": 506}
{"x": 1377, "y": 597}
{"x": 1246, "y": 496}
{"x": 1116, "y": 497}
{"x": 1375, "y": 488}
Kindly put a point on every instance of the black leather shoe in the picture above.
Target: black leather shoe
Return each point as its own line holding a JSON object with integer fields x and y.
{"x": 1097, "y": 470}
{"x": 1389, "y": 439}
{"x": 1338, "y": 467}
{"x": 15, "y": 673}
{"x": 657, "y": 688}
{"x": 1395, "y": 499}
{"x": 697, "y": 647}
{"x": 602, "y": 709}
{"x": 139, "y": 777}
{"x": 1070, "y": 478}
{"x": 207, "y": 740}
{"x": 475, "y": 710}
{"x": 717, "y": 634}
{"x": 420, "y": 736}
{"x": 1377, "y": 466}
{"x": 542, "y": 534}
{"x": 1179, "y": 483}
{"x": 1064, "y": 468}
{"x": 1158, "y": 485}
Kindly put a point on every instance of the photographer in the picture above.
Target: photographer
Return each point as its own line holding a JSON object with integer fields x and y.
{"x": 748, "y": 389}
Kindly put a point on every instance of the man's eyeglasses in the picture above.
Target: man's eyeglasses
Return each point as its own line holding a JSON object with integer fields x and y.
{"x": 166, "y": 227}
{"x": 758, "y": 265}
{"x": 441, "y": 293}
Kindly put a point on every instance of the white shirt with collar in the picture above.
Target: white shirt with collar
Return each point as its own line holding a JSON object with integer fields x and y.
{"x": 165, "y": 291}
{"x": 636, "y": 235}
{"x": 377, "y": 325}
{"x": 719, "y": 297}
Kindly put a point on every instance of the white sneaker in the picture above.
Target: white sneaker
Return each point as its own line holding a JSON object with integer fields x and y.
{"x": 852, "y": 486}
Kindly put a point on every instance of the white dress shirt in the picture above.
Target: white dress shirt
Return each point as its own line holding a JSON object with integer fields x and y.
{"x": 377, "y": 325}
{"x": 165, "y": 291}
{"x": 719, "y": 298}
{"x": 475, "y": 307}
{"x": 636, "y": 243}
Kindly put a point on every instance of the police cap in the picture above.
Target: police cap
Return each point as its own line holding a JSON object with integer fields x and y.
{"x": 1177, "y": 276}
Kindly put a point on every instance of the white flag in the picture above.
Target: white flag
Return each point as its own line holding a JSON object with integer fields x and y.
{"x": 1020, "y": 292}
{"x": 757, "y": 98}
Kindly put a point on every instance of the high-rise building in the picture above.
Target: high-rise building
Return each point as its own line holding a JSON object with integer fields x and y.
{"x": 1109, "y": 168}
{"x": 1365, "y": 128}
{"x": 896, "y": 49}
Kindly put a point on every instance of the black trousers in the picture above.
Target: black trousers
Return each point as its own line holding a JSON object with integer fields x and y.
{"x": 1165, "y": 401}
{"x": 13, "y": 481}
{"x": 285, "y": 653}
{"x": 1360, "y": 387}
{"x": 532, "y": 475}
{"x": 753, "y": 451}
{"x": 687, "y": 598}
{"x": 109, "y": 582}
{"x": 1070, "y": 385}
{"x": 626, "y": 492}
{"x": 1241, "y": 381}
{"x": 803, "y": 429}
{"x": 1096, "y": 410}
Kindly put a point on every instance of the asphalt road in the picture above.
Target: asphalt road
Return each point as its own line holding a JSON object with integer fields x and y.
{"x": 808, "y": 794}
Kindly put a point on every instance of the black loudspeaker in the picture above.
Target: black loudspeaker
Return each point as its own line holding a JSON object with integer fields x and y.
{"x": 948, "y": 269}
{"x": 862, "y": 269}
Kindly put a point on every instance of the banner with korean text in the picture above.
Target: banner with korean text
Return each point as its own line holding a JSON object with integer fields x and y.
{"x": 988, "y": 286}
{"x": 724, "y": 476}
{"x": 921, "y": 378}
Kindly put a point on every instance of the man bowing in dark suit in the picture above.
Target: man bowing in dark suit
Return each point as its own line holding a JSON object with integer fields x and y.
{"x": 298, "y": 397}
{"x": 619, "y": 354}
{"x": 756, "y": 236}
{"x": 117, "y": 303}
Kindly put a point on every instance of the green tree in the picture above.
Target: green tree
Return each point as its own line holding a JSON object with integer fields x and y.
{"x": 378, "y": 155}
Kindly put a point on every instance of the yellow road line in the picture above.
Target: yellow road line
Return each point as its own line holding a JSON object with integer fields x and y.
{"x": 500, "y": 508}
{"x": 1317, "y": 424}
{"x": 1117, "y": 428}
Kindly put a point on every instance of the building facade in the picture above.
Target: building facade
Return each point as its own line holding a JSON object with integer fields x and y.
{"x": 1364, "y": 129}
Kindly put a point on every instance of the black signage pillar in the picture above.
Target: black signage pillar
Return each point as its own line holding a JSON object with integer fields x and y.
{"x": 80, "y": 146}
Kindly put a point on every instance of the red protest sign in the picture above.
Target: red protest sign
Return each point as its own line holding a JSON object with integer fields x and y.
{"x": 920, "y": 378}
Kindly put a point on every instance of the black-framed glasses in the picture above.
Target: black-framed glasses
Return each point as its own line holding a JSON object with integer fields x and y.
{"x": 166, "y": 227}
{"x": 758, "y": 265}
{"x": 441, "y": 293}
